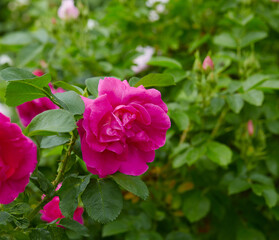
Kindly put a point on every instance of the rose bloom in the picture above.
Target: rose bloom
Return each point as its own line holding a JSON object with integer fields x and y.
{"x": 51, "y": 210}
{"x": 28, "y": 110}
{"x": 122, "y": 128}
{"x": 68, "y": 10}
{"x": 18, "y": 159}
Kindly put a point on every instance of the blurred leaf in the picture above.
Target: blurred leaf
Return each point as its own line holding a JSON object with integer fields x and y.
{"x": 13, "y": 74}
{"x": 181, "y": 119}
{"x": 252, "y": 37}
{"x": 253, "y": 81}
{"x": 114, "y": 228}
{"x": 235, "y": 102}
{"x": 28, "y": 53}
{"x": 177, "y": 74}
{"x": 74, "y": 226}
{"x": 72, "y": 101}
{"x": 196, "y": 206}
{"x": 164, "y": 62}
{"x": 40, "y": 234}
{"x": 270, "y": 84}
{"x": 5, "y": 217}
{"x": 219, "y": 153}
{"x": 190, "y": 156}
{"x": 254, "y": 97}
{"x": 51, "y": 122}
{"x": 133, "y": 81}
{"x": 16, "y": 38}
{"x": 102, "y": 200}
{"x": 132, "y": 184}
{"x": 249, "y": 234}
{"x": 216, "y": 104}
{"x": 179, "y": 236}
{"x": 225, "y": 40}
{"x": 156, "y": 80}
{"x": 238, "y": 185}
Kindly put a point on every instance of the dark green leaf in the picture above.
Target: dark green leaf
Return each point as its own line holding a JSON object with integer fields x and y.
{"x": 103, "y": 200}
{"x": 74, "y": 226}
{"x": 238, "y": 185}
{"x": 252, "y": 37}
{"x": 132, "y": 184}
{"x": 114, "y": 228}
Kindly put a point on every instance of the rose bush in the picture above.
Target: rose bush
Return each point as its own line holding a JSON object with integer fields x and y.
{"x": 18, "y": 159}
{"x": 122, "y": 128}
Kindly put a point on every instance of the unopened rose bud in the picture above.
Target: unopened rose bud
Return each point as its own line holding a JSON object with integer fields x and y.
{"x": 207, "y": 64}
{"x": 38, "y": 72}
{"x": 250, "y": 128}
{"x": 53, "y": 21}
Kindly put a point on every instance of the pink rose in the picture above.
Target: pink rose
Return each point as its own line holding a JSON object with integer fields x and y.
{"x": 51, "y": 210}
{"x": 18, "y": 159}
{"x": 68, "y": 10}
{"x": 28, "y": 110}
{"x": 38, "y": 72}
{"x": 208, "y": 63}
{"x": 122, "y": 128}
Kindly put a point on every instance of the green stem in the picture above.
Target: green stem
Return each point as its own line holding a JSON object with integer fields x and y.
{"x": 218, "y": 124}
{"x": 58, "y": 179}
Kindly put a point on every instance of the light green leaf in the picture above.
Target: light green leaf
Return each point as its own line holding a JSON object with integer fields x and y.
{"x": 181, "y": 119}
{"x": 252, "y": 37}
{"x": 28, "y": 53}
{"x": 16, "y": 38}
{"x": 196, "y": 206}
{"x": 102, "y": 200}
{"x": 53, "y": 141}
{"x": 51, "y": 122}
{"x": 68, "y": 86}
{"x": 164, "y": 62}
{"x": 216, "y": 104}
{"x": 235, "y": 102}
{"x": 156, "y": 80}
{"x": 219, "y": 153}
{"x": 225, "y": 40}
{"x": 132, "y": 184}
{"x": 253, "y": 81}
{"x": 270, "y": 84}
{"x": 92, "y": 85}
{"x": 254, "y": 97}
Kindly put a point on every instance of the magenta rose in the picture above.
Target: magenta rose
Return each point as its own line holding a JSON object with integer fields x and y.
{"x": 18, "y": 159}
{"x": 122, "y": 128}
{"x": 27, "y": 111}
{"x": 51, "y": 210}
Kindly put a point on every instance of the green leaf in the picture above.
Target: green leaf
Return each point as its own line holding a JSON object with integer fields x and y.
{"x": 45, "y": 184}
{"x": 39, "y": 234}
{"x": 132, "y": 184}
{"x": 177, "y": 74}
{"x": 249, "y": 234}
{"x": 133, "y": 81}
{"x": 74, "y": 226}
{"x": 164, "y": 62}
{"x": 51, "y": 122}
{"x": 19, "y": 208}
{"x": 181, "y": 119}
{"x": 219, "y": 153}
{"x": 23, "y": 86}
{"x": 114, "y": 228}
{"x": 235, "y": 102}
{"x": 72, "y": 102}
{"x": 238, "y": 185}
{"x": 270, "y": 84}
{"x": 253, "y": 81}
{"x": 5, "y": 217}
{"x": 68, "y": 193}
{"x": 271, "y": 197}
{"x": 103, "y": 200}
{"x": 196, "y": 206}
{"x": 28, "y": 53}
{"x": 17, "y": 38}
{"x": 254, "y": 97}
{"x": 92, "y": 85}
{"x": 53, "y": 141}
{"x": 68, "y": 87}
{"x": 252, "y": 37}
{"x": 225, "y": 40}
{"x": 156, "y": 80}
{"x": 21, "y": 222}
{"x": 179, "y": 236}
{"x": 216, "y": 104}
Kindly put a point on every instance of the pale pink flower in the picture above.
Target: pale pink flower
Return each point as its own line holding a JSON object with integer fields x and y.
{"x": 142, "y": 60}
{"x": 68, "y": 10}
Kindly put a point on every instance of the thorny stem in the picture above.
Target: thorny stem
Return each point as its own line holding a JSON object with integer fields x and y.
{"x": 58, "y": 179}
